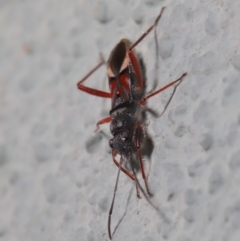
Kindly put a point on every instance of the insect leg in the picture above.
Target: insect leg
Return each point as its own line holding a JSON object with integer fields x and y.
{"x": 139, "y": 135}
{"x": 103, "y": 121}
{"x": 90, "y": 90}
{"x": 132, "y": 56}
{"x": 178, "y": 81}
{"x": 148, "y": 31}
{"x": 142, "y": 190}
{"x": 129, "y": 174}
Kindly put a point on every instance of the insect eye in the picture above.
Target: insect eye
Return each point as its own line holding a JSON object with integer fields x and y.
{"x": 111, "y": 143}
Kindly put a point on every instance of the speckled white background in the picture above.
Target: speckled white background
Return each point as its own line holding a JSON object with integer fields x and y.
{"x": 54, "y": 188}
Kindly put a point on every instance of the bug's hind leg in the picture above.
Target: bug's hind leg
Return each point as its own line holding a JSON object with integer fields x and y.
{"x": 133, "y": 58}
{"x": 148, "y": 31}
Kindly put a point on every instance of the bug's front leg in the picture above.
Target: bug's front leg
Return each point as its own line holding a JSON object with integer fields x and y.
{"x": 103, "y": 121}
{"x": 138, "y": 140}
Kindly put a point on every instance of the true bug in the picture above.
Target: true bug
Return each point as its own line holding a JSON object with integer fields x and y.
{"x": 127, "y": 83}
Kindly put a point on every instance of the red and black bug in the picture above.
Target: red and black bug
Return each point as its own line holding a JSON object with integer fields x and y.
{"x": 127, "y": 83}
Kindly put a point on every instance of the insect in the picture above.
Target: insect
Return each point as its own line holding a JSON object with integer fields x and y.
{"x": 127, "y": 83}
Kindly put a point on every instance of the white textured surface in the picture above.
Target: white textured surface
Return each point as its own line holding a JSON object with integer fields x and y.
{"x": 52, "y": 187}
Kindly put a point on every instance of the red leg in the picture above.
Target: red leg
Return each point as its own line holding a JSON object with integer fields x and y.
{"x": 103, "y": 121}
{"x": 143, "y": 101}
{"x": 132, "y": 56}
{"x": 148, "y": 31}
{"x": 139, "y": 135}
{"x": 129, "y": 174}
{"x": 90, "y": 90}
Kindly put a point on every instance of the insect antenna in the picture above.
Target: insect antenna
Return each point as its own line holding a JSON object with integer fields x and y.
{"x": 125, "y": 212}
{"x": 113, "y": 199}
